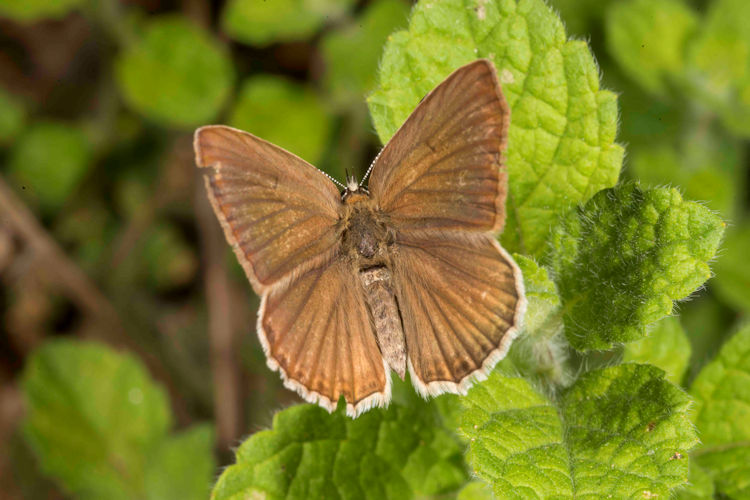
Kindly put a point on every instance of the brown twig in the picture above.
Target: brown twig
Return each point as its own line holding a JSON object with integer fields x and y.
{"x": 61, "y": 270}
{"x": 63, "y": 273}
{"x": 221, "y": 331}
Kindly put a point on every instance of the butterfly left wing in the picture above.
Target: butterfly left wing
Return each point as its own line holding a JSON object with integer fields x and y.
{"x": 281, "y": 216}
{"x": 278, "y": 212}
{"x": 461, "y": 299}
{"x": 317, "y": 331}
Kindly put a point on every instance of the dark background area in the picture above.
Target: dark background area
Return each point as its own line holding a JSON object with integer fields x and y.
{"x": 105, "y": 230}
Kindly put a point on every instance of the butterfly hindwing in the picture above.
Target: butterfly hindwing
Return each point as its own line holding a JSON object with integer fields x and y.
{"x": 461, "y": 299}
{"x": 318, "y": 331}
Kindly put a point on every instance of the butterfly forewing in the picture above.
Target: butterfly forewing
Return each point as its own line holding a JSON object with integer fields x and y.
{"x": 278, "y": 211}
{"x": 443, "y": 168}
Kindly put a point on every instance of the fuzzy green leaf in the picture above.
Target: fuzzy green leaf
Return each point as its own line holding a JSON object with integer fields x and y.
{"x": 540, "y": 350}
{"x": 561, "y": 147}
{"x": 12, "y": 116}
{"x": 708, "y": 324}
{"x": 284, "y": 113}
{"x": 49, "y": 160}
{"x": 719, "y": 62}
{"x": 396, "y": 453}
{"x": 622, "y": 259}
{"x": 176, "y": 74}
{"x": 182, "y": 467}
{"x": 700, "y": 485}
{"x": 351, "y": 54}
{"x": 543, "y": 301}
{"x": 264, "y": 22}
{"x": 94, "y": 417}
{"x": 647, "y": 38}
{"x": 476, "y": 490}
{"x": 621, "y": 432}
{"x": 722, "y": 416}
{"x": 732, "y": 271}
{"x": 666, "y": 346}
{"x": 30, "y": 11}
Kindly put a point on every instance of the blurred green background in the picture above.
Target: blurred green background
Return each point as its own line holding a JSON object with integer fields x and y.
{"x": 117, "y": 289}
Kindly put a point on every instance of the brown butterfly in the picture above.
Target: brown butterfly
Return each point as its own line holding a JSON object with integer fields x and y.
{"x": 404, "y": 274}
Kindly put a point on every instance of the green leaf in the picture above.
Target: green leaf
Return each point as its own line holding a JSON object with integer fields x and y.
{"x": 284, "y": 113}
{"x": 719, "y": 62}
{"x": 476, "y": 491}
{"x": 722, "y": 416}
{"x": 623, "y": 258}
{"x": 561, "y": 147}
{"x": 351, "y": 54}
{"x": 707, "y": 165}
{"x": 732, "y": 272}
{"x": 540, "y": 351}
{"x": 581, "y": 17}
{"x": 543, "y": 302}
{"x": 183, "y": 466}
{"x": 29, "y": 11}
{"x": 176, "y": 74}
{"x": 700, "y": 485}
{"x": 666, "y": 346}
{"x": 396, "y": 453}
{"x": 621, "y": 432}
{"x": 262, "y": 23}
{"x": 94, "y": 417}
{"x": 647, "y": 38}
{"x": 49, "y": 160}
{"x": 12, "y": 116}
{"x": 708, "y": 324}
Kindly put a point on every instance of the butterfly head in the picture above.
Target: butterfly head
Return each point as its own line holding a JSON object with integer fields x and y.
{"x": 353, "y": 191}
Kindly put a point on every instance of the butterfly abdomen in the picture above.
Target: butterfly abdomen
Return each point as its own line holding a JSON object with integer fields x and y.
{"x": 381, "y": 300}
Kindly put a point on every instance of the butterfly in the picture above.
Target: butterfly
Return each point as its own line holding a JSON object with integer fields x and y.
{"x": 405, "y": 274}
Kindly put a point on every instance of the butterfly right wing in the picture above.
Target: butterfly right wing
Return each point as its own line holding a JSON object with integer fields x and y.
{"x": 317, "y": 331}
{"x": 444, "y": 168}
{"x": 442, "y": 182}
{"x": 278, "y": 212}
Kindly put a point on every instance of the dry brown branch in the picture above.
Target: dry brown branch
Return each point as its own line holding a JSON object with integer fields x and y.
{"x": 64, "y": 274}
{"x": 224, "y": 363}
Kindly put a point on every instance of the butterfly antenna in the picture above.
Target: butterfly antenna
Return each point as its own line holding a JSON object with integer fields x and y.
{"x": 332, "y": 179}
{"x": 369, "y": 169}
